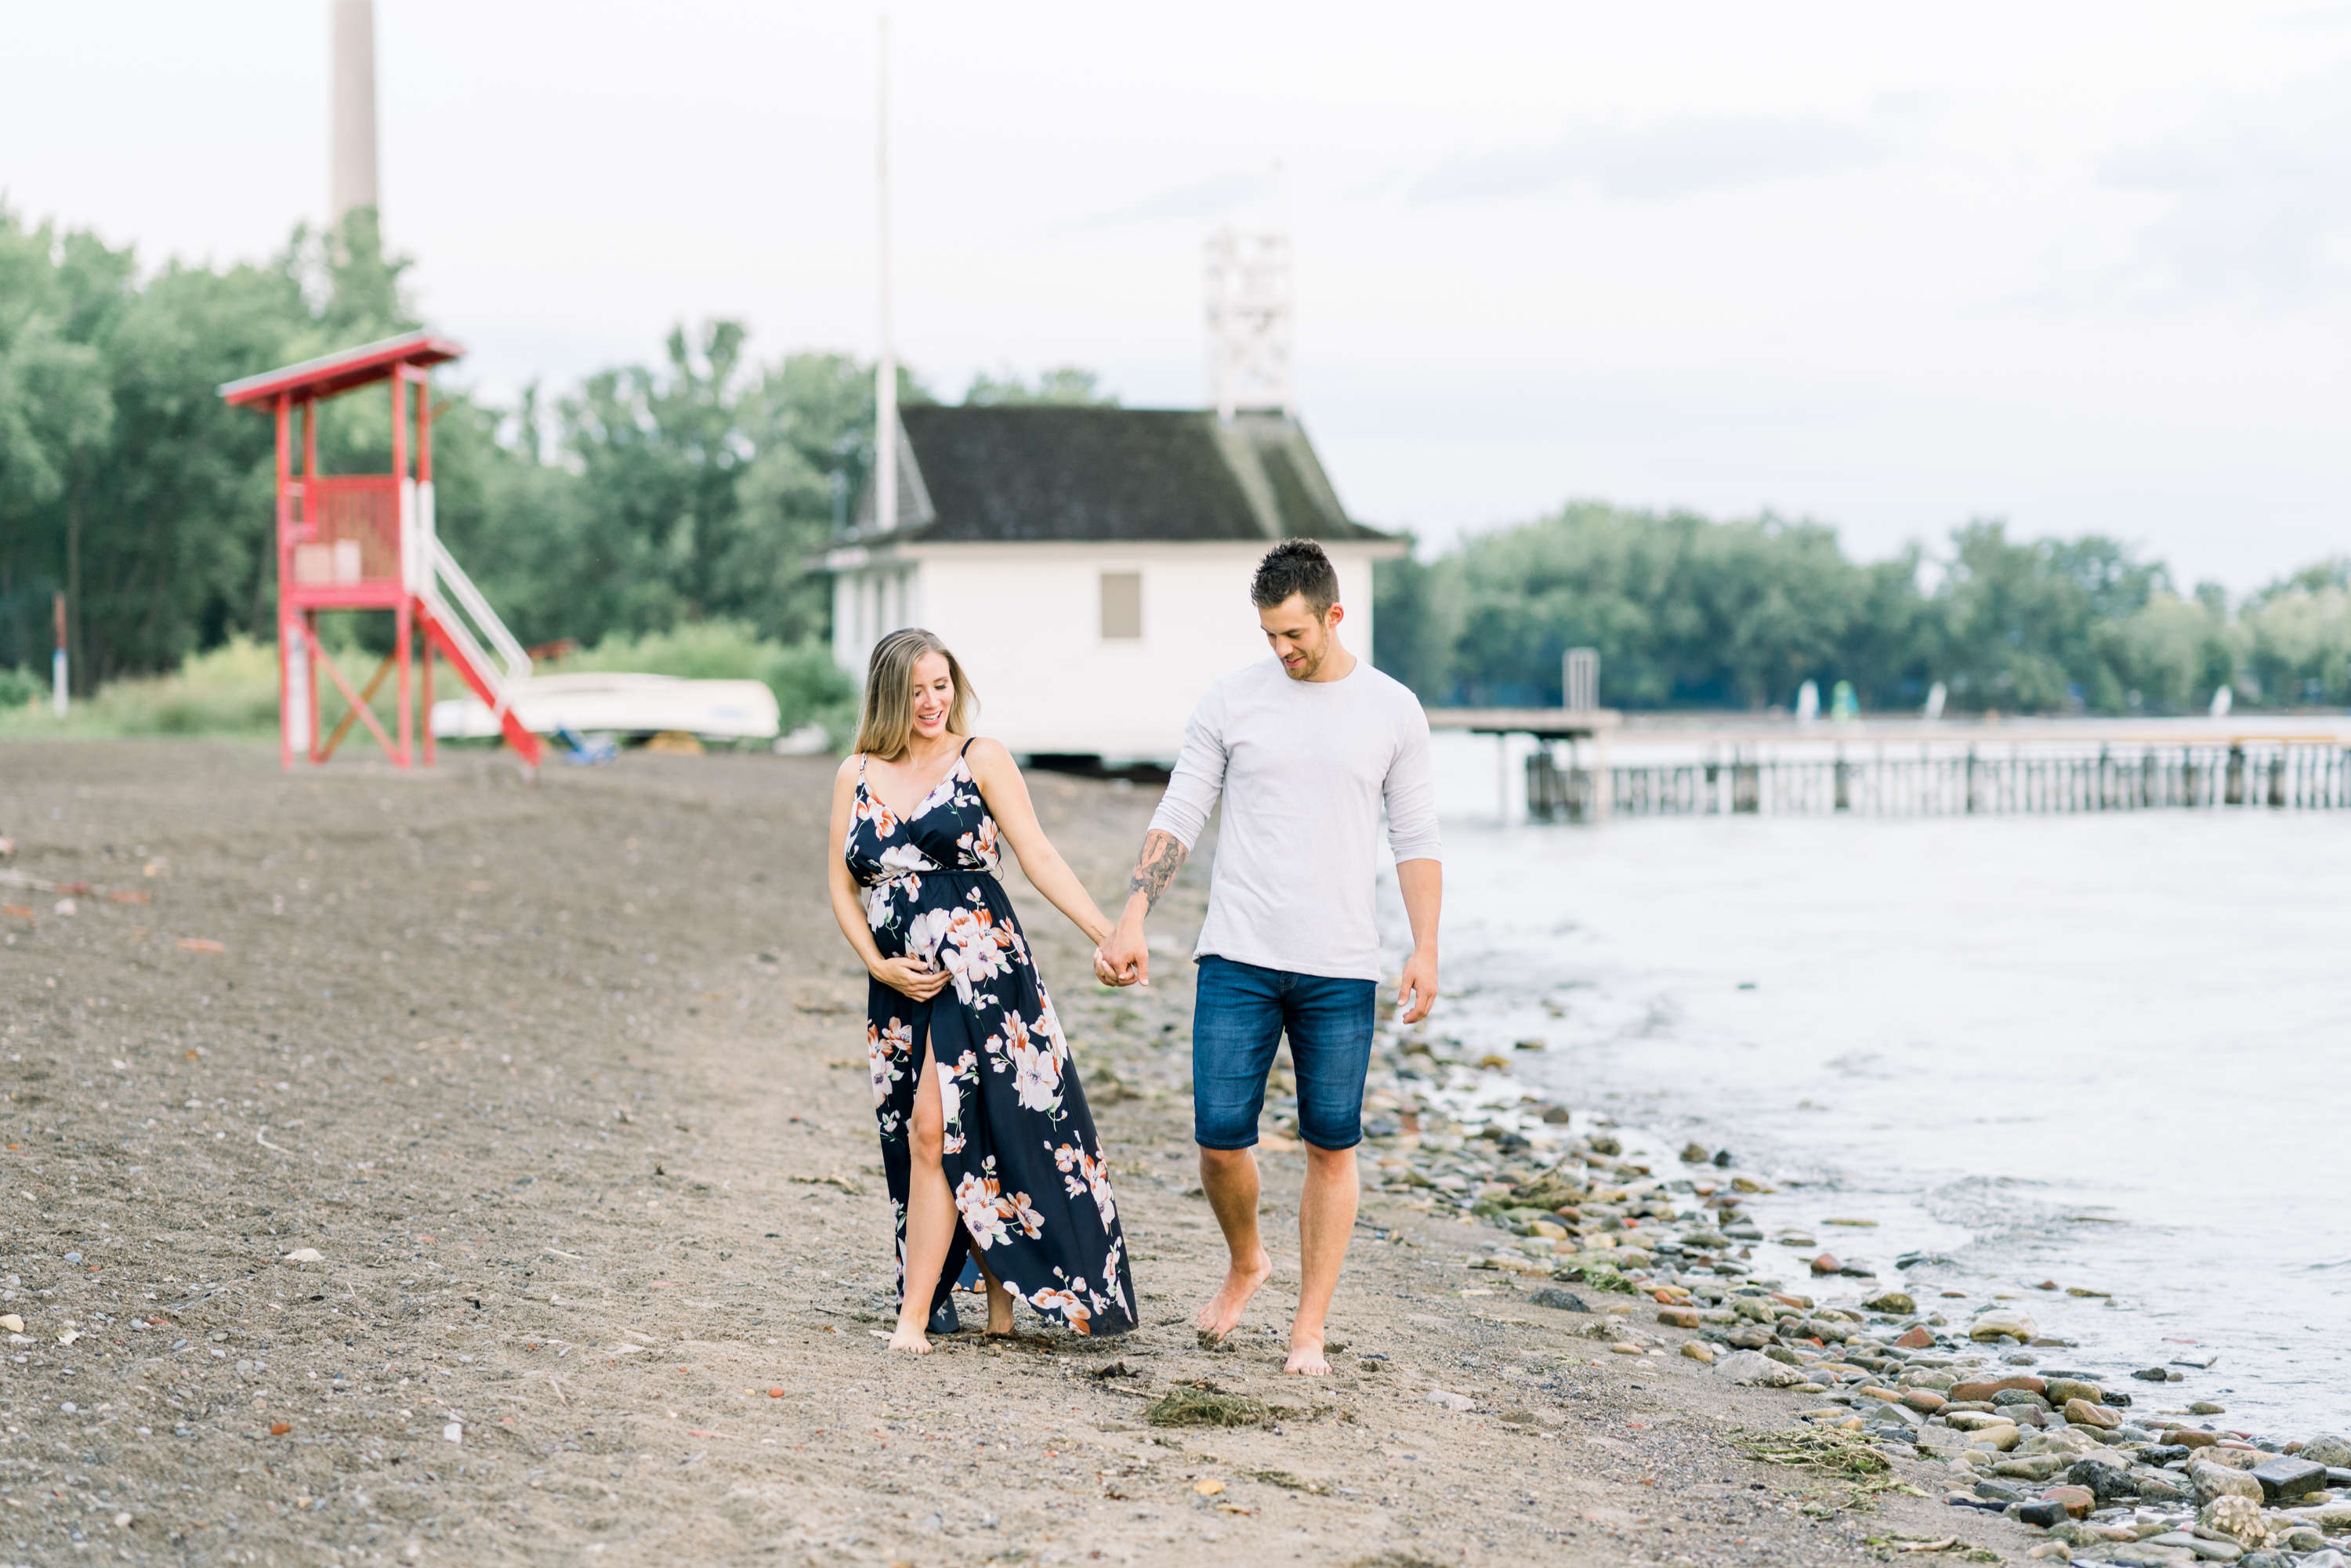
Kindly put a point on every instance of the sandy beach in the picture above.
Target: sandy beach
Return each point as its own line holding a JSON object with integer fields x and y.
{"x": 440, "y": 1169}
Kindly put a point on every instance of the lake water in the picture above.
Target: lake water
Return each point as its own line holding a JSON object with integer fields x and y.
{"x": 2106, "y": 1051}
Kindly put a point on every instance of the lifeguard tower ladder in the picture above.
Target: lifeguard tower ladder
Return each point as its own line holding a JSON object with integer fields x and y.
{"x": 366, "y": 542}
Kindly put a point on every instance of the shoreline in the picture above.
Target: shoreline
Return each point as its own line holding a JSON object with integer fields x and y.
{"x": 1963, "y": 1378}
{"x": 494, "y": 1180}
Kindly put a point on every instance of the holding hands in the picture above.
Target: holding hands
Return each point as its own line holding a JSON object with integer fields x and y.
{"x": 1123, "y": 958}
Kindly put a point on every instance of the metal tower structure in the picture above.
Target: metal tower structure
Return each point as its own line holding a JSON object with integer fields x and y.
{"x": 1247, "y": 279}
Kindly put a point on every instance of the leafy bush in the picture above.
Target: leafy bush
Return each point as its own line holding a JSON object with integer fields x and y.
{"x": 19, "y": 689}
{"x": 233, "y": 690}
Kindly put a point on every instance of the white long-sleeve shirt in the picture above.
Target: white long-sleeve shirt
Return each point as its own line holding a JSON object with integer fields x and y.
{"x": 1304, "y": 767}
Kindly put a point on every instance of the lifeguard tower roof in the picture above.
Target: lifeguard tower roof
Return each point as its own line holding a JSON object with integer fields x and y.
{"x": 339, "y": 372}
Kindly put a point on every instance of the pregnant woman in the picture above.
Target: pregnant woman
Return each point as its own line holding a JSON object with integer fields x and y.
{"x": 984, "y": 1134}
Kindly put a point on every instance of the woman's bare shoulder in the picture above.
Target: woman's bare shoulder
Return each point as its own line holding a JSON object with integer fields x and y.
{"x": 984, "y": 751}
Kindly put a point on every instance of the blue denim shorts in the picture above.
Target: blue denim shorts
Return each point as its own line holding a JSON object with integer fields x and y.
{"x": 1239, "y": 1014}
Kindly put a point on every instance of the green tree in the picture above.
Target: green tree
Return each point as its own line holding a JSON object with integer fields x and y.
{"x": 1682, "y": 610}
{"x": 2018, "y": 619}
{"x": 2167, "y": 655}
{"x": 1068, "y": 386}
{"x": 2297, "y": 635}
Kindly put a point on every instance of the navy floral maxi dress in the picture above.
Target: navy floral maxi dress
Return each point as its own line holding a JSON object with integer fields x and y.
{"x": 1031, "y": 1183}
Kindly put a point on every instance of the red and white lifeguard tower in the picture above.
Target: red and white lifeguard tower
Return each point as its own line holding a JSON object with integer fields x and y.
{"x": 366, "y": 542}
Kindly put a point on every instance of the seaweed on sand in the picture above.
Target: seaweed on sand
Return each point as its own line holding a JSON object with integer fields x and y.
{"x": 1828, "y": 1450}
{"x": 1598, "y": 1278}
{"x": 1840, "y": 1456}
{"x": 1188, "y": 1405}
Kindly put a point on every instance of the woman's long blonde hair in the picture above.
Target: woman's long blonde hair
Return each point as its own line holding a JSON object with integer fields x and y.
{"x": 888, "y": 723}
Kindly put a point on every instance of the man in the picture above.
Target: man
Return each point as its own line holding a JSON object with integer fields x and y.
{"x": 1305, "y": 749}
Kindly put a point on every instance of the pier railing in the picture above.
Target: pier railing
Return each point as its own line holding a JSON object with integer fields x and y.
{"x": 2280, "y": 776}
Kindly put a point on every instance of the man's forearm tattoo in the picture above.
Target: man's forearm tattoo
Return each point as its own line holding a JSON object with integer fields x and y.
{"x": 1163, "y": 856}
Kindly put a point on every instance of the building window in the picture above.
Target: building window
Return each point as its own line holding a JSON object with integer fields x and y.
{"x": 1122, "y": 606}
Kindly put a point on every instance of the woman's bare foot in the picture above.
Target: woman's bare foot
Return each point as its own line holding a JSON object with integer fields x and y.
{"x": 1306, "y": 1359}
{"x": 999, "y": 1310}
{"x": 1219, "y": 1318}
{"x": 911, "y": 1339}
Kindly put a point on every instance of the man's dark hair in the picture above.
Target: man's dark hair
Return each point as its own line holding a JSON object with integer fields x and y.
{"x": 1296, "y": 566}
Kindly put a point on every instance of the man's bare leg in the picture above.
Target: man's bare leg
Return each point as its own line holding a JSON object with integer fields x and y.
{"x": 1230, "y": 1177}
{"x": 1326, "y": 1222}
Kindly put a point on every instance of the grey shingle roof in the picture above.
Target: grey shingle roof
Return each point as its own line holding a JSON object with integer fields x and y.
{"x": 1065, "y": 474}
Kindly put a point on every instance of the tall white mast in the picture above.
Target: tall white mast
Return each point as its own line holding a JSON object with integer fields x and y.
{"x": 885, "y": 370}
{"x": 351, "y": 182}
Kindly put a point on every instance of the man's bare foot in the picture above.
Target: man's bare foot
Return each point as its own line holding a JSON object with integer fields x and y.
{"x": 911, "y": 1339}
{"x": 1307, "y": 1360}
{"x": 1219, "y": 1318}
{"x": 999, "y": 1310}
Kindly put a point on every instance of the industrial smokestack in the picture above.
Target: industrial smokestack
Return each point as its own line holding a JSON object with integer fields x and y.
{"x": 353, "y": 183}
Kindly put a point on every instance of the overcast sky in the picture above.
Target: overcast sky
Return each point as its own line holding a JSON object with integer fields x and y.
{"x": 2086, "y": 268}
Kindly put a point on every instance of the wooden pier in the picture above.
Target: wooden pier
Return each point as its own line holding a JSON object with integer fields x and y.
{"x": 2288, "y": 774}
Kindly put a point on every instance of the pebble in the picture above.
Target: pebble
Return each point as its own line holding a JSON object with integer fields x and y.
{"x": 1756, "y": 1370}
{"x": 2082, "y": 1413}
{"x": 2000, "y": 1322}
{"x": 1926, "y": 1401}
{"x": 1895, "y": 1301}
{"x": 2283, "y": 1478}
{"x": 1964, "y": 1393}
{"x": 2061, "y": 1389}
{"x": 2237, "y": 1458}
{"x": 1564, "y": 1300}
{"x": 2238, "y": 1518}
{"x": 2326, "y": 1448}
{"x": 1697, "y": 1350}
{"x": 1919, "y": 1338}
{"x": 1976, "y": 1420}
{"x": 2101, "y": 1480}
{"x": 1679, "y": 1317}
{"x": 2076, "y": 1500}
{"x": 2213, "y": 1481}
{"x": 1450, "y": 1400}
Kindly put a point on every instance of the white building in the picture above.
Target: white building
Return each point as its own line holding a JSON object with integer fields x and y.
{"x": 1090, "y": 565}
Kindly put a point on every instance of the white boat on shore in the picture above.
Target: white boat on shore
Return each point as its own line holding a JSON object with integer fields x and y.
{"x": 602, "y": 703}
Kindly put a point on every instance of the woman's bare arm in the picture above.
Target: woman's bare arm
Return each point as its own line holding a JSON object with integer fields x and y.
{"x": 1007, "y": 794}
{"x": 904, "y": 975}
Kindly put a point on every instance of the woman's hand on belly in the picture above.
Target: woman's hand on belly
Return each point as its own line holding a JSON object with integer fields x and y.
{"x": 909, "y": 978}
